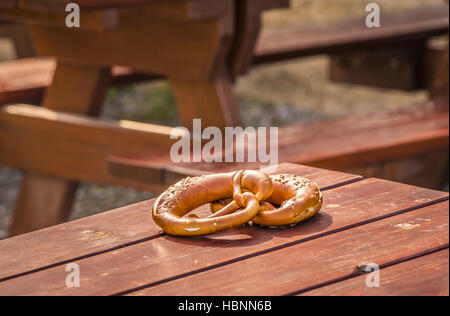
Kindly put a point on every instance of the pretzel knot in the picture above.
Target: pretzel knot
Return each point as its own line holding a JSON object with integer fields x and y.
{"x": 236, "y": 199}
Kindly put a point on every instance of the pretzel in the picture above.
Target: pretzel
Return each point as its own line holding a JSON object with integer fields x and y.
{"x": 253, "y": 196}
{"x": 181, "y": 198}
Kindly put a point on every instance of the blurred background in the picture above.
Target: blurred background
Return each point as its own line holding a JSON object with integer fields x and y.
{"x": 276, "y": 94}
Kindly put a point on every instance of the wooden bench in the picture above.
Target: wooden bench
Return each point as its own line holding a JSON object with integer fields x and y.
{"x": 381, "y": 144}
{"x": 405, "y": 27}
{"x": 401, "y": 228}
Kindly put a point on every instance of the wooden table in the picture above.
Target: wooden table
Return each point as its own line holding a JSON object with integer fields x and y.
{"x": 401, "y": 228}
{"x": 199, "y": 45}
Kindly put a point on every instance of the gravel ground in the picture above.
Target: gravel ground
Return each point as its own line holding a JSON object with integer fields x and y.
{"x": 276, "y": 94}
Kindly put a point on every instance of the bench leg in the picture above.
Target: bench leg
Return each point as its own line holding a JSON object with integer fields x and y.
{"x": 44, "y": 200}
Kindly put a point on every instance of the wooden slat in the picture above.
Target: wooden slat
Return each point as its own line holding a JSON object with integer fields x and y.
{"x": 72, "y": 146}
{"x": 274, "y": 4}
{"x": 102, "y": 232}
{"x": 305, "y": 265}
{"x": 98, "y": 20}
{"x": 168, "y": 257}
{"x": 340, "y": 143}
{"x": 56, "y": 5}
{"x": 424, "y": 276}
{"x": 25, "y": 80}
{"x": 172, "y": 10}
{"x": 395, "y": 67}
{"x": 414, "y": 25}
{"x": 195, "y": 6}
{"x": 110, "y": 16}
{"x": 193, "y": 46}
{"x": 373, "y": 146}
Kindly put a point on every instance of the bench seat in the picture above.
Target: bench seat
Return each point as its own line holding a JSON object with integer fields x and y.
{"x": 404, "y": 28}
{"x": 340, "y": 144}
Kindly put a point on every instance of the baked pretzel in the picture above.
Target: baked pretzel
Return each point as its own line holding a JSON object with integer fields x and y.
{"x": 181, "y": 198}
{"x": 254, "y": 194}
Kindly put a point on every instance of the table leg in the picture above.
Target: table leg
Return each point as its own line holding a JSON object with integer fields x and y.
{"x": 18, "y": 34}
{"x": 44, "y": 200}
{"x": 210, "y": 99}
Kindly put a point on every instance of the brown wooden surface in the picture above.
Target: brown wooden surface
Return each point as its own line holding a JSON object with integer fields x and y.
{"x": 438, "y": 80}
{"x": 301, "y": 266}
{"x": 75, "y": 89}
{"x": 427, "y": 275}
{"x": 8, "y": 3}
{"x": 54, "y": 5}
{"x": 25, "y": 80}
{"x": 98, "y": 20}
{"x": 248, "y": 27}
{"x": 100, "y": 232}
{"x": 341, "y": 143}
{"x": 51, "y": 141}
{"x": 406, "y": 26}
{"x": 18, "y": 34}
{"x": 122, "y": 252}
{"x": 393, "y": 67}
{"x": 108, "y": 18}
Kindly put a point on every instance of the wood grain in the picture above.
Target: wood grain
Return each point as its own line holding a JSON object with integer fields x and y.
{"x": 112, "y": 229}
{"x": 167, "y": 257}
{"x": 424, "y": 276}
{"x": 321, "y": 260}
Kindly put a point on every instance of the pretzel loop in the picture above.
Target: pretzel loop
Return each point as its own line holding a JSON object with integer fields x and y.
{"x": 293, "y": 200}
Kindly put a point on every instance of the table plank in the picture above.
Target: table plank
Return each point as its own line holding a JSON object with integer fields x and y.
{"x": 111, "y": 230}
{"x": 55, "y": 5}
{"x": 424, "y": 276}
{"x": 328, "y": 258}
{"x": 8, "y": 4}
{"x": 161, "y": 259}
